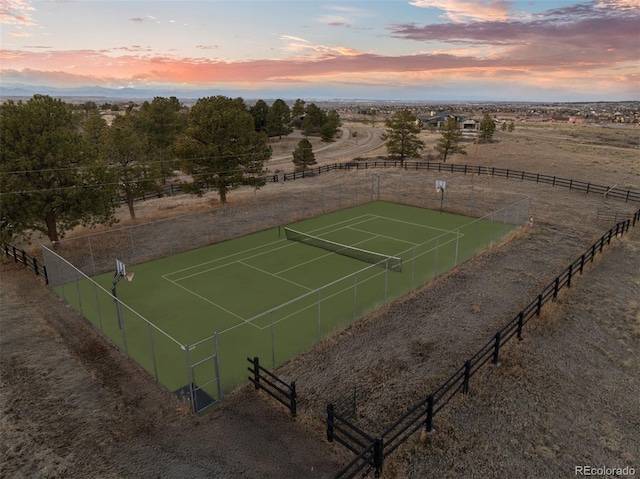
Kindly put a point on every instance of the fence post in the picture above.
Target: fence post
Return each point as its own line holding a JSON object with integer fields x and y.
{"x": 192, "y": 393}
{"x": 539, "y": 307}
{"x": 256, "y": 372}
{"x": 294, "y": 399}
{"x": 467, "y": 375}
{"x": 15, "y": 255}
{"x": 520, "y": 324}
{"x": 330, "y": 417}
{"x": 378, "y": 455}
{"x": 581, "y": 263}
{"x": 428, "y": 426}
{"x": 570, "y": 274}
{"x": 24, "y": 257}
{"x": 496, "y": 348}
{"x": 555, "y": 287}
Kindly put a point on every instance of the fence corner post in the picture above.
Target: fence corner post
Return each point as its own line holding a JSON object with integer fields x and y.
{"x": 378, "y": 455}
{"x": 428, "y": 425}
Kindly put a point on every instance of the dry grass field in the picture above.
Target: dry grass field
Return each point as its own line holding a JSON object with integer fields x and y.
{"x": 73, "y": 406}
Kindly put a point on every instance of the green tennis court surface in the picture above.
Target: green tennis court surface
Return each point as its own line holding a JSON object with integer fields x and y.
{"x": 268, "y": 296}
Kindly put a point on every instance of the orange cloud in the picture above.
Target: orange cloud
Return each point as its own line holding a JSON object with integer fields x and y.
{"x": 103, "y": 67}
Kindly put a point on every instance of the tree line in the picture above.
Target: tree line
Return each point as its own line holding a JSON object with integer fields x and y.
{"x": 62, "y": 165}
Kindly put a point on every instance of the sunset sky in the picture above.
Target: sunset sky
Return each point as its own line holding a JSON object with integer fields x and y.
{"x": 541, "y": 50}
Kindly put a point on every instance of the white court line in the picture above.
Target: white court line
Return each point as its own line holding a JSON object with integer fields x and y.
{"x": 231, "y": 262}
{"x": 211, "y": 302}
{"x": 416, "y": 224}
{"x": 369, "y": 217}
{"x": 275, "y": 275}
{"x": 324, "y": 255}
{"x": 381, "y": 236}
{"x": 224, "y": 257}
{"x": 283, "y": 240}
{"x": 315, "y": 305}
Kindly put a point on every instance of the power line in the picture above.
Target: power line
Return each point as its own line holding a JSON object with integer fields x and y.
{"x": 151, "y": 162}
{"x": 116, "y": 183}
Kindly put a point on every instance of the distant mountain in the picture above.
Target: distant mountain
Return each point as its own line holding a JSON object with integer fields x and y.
{"x": 98, "y": 94}
{"x": 21, "y": 90}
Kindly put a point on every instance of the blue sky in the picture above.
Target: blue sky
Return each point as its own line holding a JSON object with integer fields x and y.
{"x": 541, "y": 50}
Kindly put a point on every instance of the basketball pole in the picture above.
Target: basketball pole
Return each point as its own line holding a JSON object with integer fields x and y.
{"x": 117, "y": 278}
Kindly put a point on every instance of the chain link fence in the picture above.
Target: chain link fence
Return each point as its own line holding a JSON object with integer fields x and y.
{"x": 217, "y": 364}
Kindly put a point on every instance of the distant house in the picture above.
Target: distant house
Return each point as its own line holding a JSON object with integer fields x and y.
{"x": 465, "y": 123}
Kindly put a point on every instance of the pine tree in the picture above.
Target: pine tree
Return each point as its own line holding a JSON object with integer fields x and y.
{"x": 220, "y": 147}
{"x": 402, "y": 135}
{"x": 487, "y": 128}
{"x": 451, "y": 140}
{"x": 303, "y": 156}
{"x": 49, "y": 177}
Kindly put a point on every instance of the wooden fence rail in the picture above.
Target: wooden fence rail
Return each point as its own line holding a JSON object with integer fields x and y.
{"x": 21, "y": 256}
{"x": 274, "y": 386}
{"x": 586, "y": 187}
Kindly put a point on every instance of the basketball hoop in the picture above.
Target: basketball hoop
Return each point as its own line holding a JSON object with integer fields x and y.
{"x": 440, "y": 187}
{"x": 121, "y": 273}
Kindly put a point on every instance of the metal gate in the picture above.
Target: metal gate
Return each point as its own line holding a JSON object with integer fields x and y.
{"x": 205, "y": 385}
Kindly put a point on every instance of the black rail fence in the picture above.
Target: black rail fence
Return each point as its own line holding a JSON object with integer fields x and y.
{"x": 368, "y": 450}
{"x": 587, "y": 187}
{"x": 371, "y": 450}
{"x": 21, "y": 256}
{"x": 273, "y": 385}
{"x": 611, "y": 216}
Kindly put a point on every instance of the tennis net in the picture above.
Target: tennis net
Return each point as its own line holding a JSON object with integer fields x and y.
{"x": 389, "y": 262}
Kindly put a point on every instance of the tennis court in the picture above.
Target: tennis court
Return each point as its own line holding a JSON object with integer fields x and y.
{"x": 194, "y": 318}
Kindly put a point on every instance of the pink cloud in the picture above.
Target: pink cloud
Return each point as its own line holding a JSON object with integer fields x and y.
{"x": 460, "y": 11}
{"x": 575, "y": 35}
{"x": 15, "y": 12}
